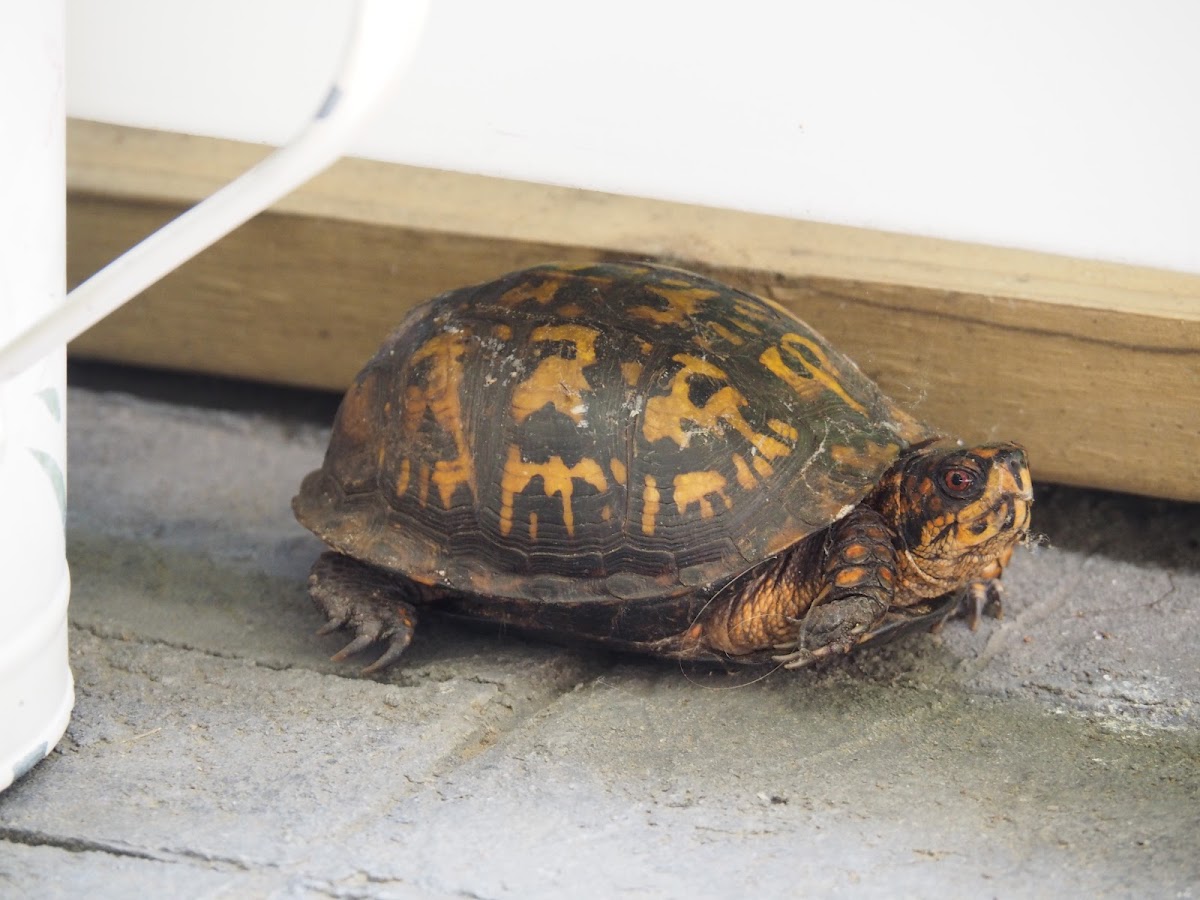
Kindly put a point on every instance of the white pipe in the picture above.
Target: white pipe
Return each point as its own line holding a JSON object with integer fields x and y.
{"x": 383, "y": 41}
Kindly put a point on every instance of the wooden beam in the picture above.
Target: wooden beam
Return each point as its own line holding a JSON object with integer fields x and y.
{"x": 1095, "y": 367}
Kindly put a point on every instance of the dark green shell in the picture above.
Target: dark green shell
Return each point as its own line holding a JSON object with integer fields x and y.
{"x": 597, "y": 432}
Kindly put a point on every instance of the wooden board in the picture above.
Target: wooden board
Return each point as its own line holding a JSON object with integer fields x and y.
{"x": 1095, "y": 367}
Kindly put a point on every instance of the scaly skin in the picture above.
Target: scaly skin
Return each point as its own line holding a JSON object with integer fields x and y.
{"x": 943, "y": 520}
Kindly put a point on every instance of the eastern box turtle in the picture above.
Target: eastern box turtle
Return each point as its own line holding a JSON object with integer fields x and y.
{"x": 642, "y": 457}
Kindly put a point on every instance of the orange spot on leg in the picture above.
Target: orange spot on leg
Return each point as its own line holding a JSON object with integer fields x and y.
{"x": 851, "y": 576}
{"x": 855, "y": 553}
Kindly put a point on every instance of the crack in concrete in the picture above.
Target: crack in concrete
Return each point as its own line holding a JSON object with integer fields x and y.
{"x": 124, "y": 637}
{"x": 356, "y": 892}
{"x": 494, "y": 730}
{"x": 33, "y": 838}
{"x": 105, "y": 634}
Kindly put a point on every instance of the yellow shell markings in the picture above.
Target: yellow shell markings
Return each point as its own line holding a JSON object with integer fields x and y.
{"x": 745, "y": 326}
{"x": 542, "y": 284}
{"x": 440, "y": 396}
{"x": 824, "y": 375}
{"x": 756, "y": 308}
{"x": 651, "y": 501}
{"x": 423, "y": 484}
{"x": 745, "y": 478}
{"x": 736, "y": 339}
{"x": 783, "y": 429}
{"x": 542, "y": 292}
{"x": 683, "y": 300}
{"x": 762, "y": 467}
{"x": 697, "y": 487}
{"x": 618, "y": 470}
{"x": 676, "y": 417}
{"x": 557, "y": 478}
{"x": 870, "y": 456}
{"x": 666, "y": 416}
{"x": 557, "y": 381}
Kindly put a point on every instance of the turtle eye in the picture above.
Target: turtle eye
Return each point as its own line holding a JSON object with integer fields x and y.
{"x": 960, "y": 483}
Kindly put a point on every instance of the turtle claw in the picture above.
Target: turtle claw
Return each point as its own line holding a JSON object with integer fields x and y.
{"x": 983, "y": 598}
{"x": 395, "y": 649}
{"x": 330, "y": 627}
{"x": 802, "y": 657}
{"x": 375, "y": 624}
{"x": 793, "y": 655}
{"x": 360, "y": 643}
{"x": 370, "y": 603}
{"x": 797, "y": 659}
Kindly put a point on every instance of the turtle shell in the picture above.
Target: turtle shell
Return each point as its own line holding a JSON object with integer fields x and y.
{"x": 577, "y": 433}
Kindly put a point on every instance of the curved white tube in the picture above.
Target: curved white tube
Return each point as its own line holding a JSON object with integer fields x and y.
{"x": 382, "y": 43}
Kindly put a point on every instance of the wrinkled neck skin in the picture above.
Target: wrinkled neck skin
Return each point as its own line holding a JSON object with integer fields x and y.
{"x": 944, "y": 543}
{"x": 942, "y": 518}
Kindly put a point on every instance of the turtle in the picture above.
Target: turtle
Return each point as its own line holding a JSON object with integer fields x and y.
{"x": 633, "y": 455}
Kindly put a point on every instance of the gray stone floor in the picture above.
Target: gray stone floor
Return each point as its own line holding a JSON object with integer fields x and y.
{"x": 216, "y": 752}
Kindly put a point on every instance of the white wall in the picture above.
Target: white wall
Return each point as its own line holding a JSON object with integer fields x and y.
{"x": 1071, "y": 126}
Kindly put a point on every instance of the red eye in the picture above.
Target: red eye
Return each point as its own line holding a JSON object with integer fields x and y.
{"x": 959, "y": 482}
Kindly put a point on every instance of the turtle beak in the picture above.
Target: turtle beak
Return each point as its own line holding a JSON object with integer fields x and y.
{"x": 1011, "y": 465}
{"x": 1014, "y": 464}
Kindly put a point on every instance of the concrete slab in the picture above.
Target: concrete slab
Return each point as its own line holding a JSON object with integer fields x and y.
{"x": 51, "y": 872}
{"x": 648, "y": 784}
{"x": 176, "y": 751}
{"x": 215, "y": 750}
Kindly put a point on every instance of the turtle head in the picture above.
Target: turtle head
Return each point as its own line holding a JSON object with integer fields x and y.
{"x": 957, "y": 512}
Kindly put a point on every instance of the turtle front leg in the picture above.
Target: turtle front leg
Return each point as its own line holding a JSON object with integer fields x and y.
{"x": 855, "y": 590}
{"x": 371, "y": 603}
{"x": 983, "y": 597}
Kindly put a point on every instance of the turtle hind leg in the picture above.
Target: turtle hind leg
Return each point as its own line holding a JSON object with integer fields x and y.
{"x": 374, "y": 605}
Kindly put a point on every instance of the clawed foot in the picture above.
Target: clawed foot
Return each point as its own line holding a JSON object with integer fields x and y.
{"x": 371, "y": 628}
{"x": 979, "y": 598}
{"x": 982, "y": 597}
{"x": 365, "y": 601}
{"x": 832, "y": 629}
{"x": 802, "y": 657}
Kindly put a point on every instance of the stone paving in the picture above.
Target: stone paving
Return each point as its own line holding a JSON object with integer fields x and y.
{"x": 215, "y": 751}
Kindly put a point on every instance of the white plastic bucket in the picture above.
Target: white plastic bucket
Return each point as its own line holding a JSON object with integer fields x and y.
{"x": 36, "y": 688}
